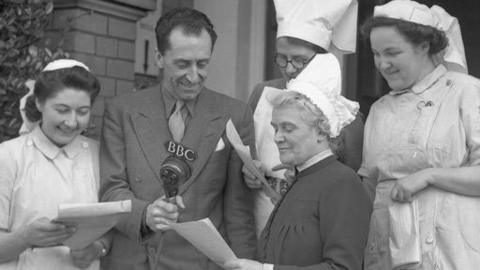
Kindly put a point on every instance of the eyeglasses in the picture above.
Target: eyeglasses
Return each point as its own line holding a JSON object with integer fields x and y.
{"x": 297, "y": 62}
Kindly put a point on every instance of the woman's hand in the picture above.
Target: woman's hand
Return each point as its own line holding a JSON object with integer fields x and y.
{"x": 243, "y": 264}
{"x": 250, "y": 179}
{"x": 405, "y": 188}
{"x": 82, "y": 258}
{"x": 43, "y": 232}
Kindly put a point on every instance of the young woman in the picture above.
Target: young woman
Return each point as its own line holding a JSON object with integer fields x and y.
{"x": 47, "y": 166}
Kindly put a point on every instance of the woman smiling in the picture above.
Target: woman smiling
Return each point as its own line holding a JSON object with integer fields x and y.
{"x": 47, "y": 166}
{"x": 422, "y": 143}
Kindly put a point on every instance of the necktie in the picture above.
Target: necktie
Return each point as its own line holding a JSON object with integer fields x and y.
{"x": 176, "y": 122}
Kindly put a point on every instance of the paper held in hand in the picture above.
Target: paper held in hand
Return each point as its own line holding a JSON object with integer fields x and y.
{"x": 91, "y": 220}
{"x": 203, "y": 235}
{"x": 244, "y": 152}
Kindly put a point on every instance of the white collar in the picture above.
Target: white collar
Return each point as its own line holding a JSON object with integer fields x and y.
{"x": 316, "y": 158}
{"x": 50, "y": 150}
{"x": 425, "y": 83}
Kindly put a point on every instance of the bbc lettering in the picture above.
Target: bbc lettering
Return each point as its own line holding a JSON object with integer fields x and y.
{"x": 180, "y": 151}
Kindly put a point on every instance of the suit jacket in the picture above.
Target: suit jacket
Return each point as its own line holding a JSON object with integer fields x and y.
{"x": 135, "y": 130}
{"x": 348, "y": 147}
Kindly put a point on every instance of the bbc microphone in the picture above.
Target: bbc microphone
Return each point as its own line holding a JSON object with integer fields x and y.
{"x": 173, "y": 171}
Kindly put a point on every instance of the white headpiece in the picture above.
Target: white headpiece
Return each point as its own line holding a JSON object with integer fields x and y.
{"x": 64, "y": 63}
{"x": 454, "y": 55}
{"x": 27, "y": 125}
{"x": 321, "y": 81}
{"x": 321, "y": 22}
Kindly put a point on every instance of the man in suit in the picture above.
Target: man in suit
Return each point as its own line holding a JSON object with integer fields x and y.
{"x": 305, "y": 28}
{"x": 141, "y": 130}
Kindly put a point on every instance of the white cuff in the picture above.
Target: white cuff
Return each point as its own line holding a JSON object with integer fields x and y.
{"x": 267, "y": 266}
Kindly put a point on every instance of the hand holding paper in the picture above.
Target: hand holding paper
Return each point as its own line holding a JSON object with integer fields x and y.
{"x": 90, "y": 220}
{"x": 43, "y": 233}
{"x": 244, "y": 152}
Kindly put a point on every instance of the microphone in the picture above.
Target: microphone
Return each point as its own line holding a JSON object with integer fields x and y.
{"x": 172, "y": 172}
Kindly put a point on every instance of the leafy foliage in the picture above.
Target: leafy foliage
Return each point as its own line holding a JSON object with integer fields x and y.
{"x": 24, "y": 51}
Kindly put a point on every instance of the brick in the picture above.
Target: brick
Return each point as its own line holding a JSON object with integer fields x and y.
{"x": 124, "y": 87}
{"x": 80, "y": 42}
{"x": 96, "y": 64}
{"x": 106, "y": 46}
{"x": 107, "y": 86}
{"x": 92, "y": 22}
{"x": 122, "y": 29}
{"x": 81, "y": 19}
{"x": 98, "y": 106}
{"x": 65, "y": 18}
{"x": 126, "y": 50}
{"x": 120, "y": 69}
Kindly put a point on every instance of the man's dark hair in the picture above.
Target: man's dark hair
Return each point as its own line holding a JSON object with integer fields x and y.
{"x": 190, "y": 20}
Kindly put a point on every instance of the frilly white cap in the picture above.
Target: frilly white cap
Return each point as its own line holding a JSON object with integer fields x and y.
{"x": 64, "y": 63}
{"x": 321, "y": 22}
{"x": 454, "y": 55}
{"x": 321, "y": 81}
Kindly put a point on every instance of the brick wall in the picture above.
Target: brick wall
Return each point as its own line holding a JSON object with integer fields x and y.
{"x": 102, "y": 35}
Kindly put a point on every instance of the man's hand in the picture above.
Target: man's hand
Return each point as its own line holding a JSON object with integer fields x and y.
{"x": 161, "y": 213}
{"x": 250, "y": 179}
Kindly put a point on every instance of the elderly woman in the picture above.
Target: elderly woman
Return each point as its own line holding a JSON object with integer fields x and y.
{"x": 305, "y": 28}
{"x": 322, "y": 220}
{"x": 46, "y": 166}
{"x": 422, "y": 143}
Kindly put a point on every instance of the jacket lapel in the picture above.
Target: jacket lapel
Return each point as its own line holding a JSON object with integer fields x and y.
{"x": 203, "y": 133}
{"x": 151, "y": 128}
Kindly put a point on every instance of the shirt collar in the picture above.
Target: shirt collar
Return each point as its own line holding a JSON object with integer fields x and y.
{"x": 316, "y": 158}
{"x": 50, "y": 150}
{"x": 169, "y": 102}
{"x": 425, "y": 83}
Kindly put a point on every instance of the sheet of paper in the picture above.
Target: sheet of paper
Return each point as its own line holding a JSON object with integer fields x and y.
{"x": 244, "y": 152}
{"x": 203, "y": 235}
{"x": 91, "y": 220}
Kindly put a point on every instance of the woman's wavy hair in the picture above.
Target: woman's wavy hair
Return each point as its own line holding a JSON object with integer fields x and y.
{"x": 413, "y": 32}
{"x": 309, "y": 112}
{"x": 49, "y": 83}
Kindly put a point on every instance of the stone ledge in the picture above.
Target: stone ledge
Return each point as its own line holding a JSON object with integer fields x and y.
{"x": 111, "y": 8}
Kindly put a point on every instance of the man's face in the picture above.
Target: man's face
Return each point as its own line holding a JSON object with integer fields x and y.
{"x": 185, "y": 63}
{"x": 297, "y": 53}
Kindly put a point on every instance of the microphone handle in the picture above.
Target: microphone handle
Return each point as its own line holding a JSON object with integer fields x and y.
{"x": 171, "y": 190}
